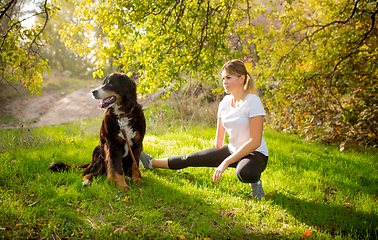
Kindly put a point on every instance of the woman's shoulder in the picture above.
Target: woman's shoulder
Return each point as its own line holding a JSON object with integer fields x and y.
{"x": 253, "y": 106}
{"x": 252, "y": 98}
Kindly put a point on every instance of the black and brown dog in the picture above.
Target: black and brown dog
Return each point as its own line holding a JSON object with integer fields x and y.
{"x": 123, "y": 115}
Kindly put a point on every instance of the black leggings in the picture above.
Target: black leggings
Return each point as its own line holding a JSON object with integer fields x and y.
{"x": 248, "y": 169}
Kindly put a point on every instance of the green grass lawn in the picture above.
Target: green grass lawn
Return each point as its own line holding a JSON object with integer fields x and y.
{"x": 308, "y": 186}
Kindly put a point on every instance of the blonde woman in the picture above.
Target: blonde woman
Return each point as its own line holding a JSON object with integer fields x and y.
{"x": 241, "y": 115}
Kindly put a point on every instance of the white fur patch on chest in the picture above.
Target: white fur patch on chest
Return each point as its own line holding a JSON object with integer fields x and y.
{"x": 124, "y": 124}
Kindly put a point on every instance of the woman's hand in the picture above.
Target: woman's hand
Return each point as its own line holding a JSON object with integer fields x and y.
{"x": 219, "y": 171}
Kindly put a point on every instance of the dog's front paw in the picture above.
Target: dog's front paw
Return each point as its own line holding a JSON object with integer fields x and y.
{"x": 86, "y": 183}
{"x": 136, "y": 180}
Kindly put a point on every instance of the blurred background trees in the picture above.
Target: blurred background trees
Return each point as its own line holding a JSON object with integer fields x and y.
{"x": 31, "y": 44}
{"x": 61, "y": 58}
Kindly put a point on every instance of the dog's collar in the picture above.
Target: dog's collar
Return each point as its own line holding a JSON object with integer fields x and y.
{"x": 124, "y": 114}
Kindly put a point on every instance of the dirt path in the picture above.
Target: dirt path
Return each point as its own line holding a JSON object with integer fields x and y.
{"x": 50, "y": 109}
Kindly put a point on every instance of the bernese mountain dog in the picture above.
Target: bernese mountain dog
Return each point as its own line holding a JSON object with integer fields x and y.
{"x": 124, "y": 121}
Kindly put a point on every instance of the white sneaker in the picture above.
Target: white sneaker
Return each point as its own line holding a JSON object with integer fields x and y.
{"x": 146, "y": 160}
{"x": 257, "y": 190}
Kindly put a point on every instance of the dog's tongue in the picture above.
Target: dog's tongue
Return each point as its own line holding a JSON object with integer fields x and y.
{"x": 100, "y": 104}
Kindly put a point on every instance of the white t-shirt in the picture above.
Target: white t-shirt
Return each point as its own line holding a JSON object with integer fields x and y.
{"x": 236, "y": 121}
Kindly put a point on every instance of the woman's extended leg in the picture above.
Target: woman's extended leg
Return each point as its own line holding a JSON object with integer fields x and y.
{"x": 160, "y": 163}
{"x": 207, "y": 158}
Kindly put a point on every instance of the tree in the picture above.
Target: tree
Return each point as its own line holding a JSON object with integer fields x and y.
{"x": 20, "y": 46}
{"x": 322, "y": 61}
{"x": 316, "y": 58}
{"x": 166, "y": 40}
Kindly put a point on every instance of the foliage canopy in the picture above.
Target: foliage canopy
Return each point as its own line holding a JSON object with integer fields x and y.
{"x": 166, "y": 41}
{"x": 20, "y": 45}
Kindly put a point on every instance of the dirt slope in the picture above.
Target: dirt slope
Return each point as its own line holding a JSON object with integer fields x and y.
{"x": 51, "y": 109}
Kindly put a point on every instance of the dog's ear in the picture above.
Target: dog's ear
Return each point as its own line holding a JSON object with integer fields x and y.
{"x": 129, "y": 83}
{"x": 106, "y": 79}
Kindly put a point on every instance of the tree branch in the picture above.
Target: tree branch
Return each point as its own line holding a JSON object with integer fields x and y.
{"x": 7, "y": 7}
{"x": 44, "y": 26}
{"x": 322, "y": 27}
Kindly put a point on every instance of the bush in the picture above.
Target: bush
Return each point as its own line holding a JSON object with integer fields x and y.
{"x": 192, "y": 105}
{"x": 321, "y": 61}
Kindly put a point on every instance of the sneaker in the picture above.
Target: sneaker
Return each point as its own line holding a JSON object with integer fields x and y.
{"x": 257, "y": 190}
{"x": 146, "y": 160}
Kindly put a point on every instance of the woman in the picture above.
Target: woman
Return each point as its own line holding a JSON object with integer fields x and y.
{"x": 240, "y": 114}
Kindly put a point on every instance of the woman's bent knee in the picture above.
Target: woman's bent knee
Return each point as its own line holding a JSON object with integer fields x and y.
{"x": 248, "y": 175}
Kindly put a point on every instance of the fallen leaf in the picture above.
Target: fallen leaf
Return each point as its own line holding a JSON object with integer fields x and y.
{"x": 126, "y": 199}
{"x": 181, "y": 237}
{"x": 306, "y": 234}
{"x": 168, "y": 222}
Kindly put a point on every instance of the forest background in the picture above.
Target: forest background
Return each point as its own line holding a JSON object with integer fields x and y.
{"x": 314, "y": 61}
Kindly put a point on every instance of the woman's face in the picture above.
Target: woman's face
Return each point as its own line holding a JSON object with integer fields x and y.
{"x": 232, "y": 83}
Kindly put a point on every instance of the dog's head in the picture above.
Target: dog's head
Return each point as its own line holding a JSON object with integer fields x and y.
{"x": 117, "y": 91}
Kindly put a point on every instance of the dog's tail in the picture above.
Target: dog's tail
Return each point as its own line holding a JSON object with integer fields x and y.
{"x": 61, "y": 166}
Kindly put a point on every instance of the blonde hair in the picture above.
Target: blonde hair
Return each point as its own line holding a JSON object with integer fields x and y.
{"x": 237, "y": 68}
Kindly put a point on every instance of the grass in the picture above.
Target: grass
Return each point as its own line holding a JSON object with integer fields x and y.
{"x": 308, "y": 187}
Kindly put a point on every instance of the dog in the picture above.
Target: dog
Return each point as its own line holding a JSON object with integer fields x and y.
{"x": 123, "y": 121}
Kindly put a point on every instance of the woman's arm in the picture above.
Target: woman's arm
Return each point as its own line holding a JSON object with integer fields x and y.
{"x": 256, "y": 130}
{"x": 221, "y": 132}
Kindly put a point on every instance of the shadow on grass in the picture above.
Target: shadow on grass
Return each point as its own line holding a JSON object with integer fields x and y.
{"x": 178, "y": 211}
{"x": 336, "y": 220}
{"x": 157, "y": 208}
